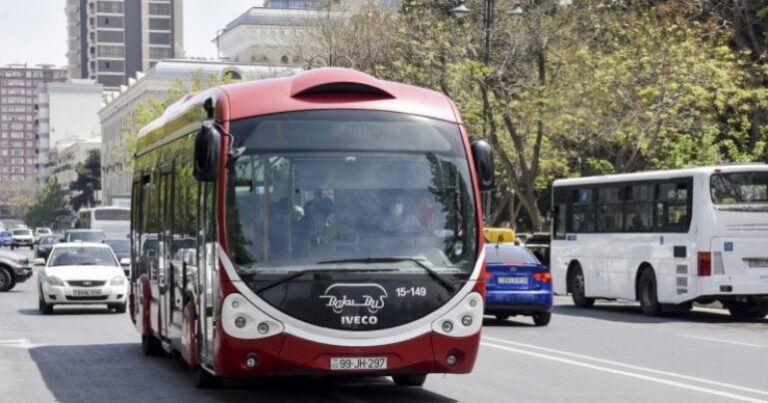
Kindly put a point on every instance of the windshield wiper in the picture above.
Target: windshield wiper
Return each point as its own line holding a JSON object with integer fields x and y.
{"x": 445, "y": 281}
{"x": 292, "y": 275}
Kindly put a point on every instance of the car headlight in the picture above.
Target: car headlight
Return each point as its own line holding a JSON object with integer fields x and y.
{"x": 53, "y": 280}
{"x": 117, "y": 280}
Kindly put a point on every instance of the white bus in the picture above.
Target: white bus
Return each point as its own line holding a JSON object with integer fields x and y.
{"x": 114, "y": 221}
{"x": 664, "y": 238}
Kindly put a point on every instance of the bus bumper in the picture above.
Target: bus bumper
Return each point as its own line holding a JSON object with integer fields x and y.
{"x": 289, "y": 355}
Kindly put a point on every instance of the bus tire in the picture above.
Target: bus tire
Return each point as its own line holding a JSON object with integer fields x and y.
{"x": 747, "y": 310}
{"x": 206, "y": 380}
{"x": 647, "y": 293}
{"x": 578, "y": 293}
{"x": 150, "y": 345}
{"x": 542, "y": 318}
{"x": 409, "y": 380}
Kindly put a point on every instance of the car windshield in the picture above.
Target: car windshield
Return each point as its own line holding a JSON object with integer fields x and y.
{"x": 509, "y": 254}
{"x": 5, "y": 234}
{"x": 43, "y": 231}
{"x": 88, "y": 236}
{"x": 334, "y": 185}
{"x": 740, "y": 191}
{"x": 82, "y": 256}
{"x": 119, "y": 245}
{"x": 22, "y": 232}
{"x": 49, "y": 240}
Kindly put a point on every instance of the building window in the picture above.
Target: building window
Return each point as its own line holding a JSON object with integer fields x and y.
{"x": 111, "y": 51}
{"x": 158, "y": 38}
{"x": 160, "y": 53}
{"x": 113, "y": 7}
{"x": 110, "y": 36}
{"x": 159, "y": 9}
{"x": 160, "y": 24}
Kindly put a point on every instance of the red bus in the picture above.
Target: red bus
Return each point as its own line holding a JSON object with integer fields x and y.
{"x": 325, "y": 223}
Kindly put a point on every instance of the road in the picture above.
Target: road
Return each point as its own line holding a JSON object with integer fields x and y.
{"x": 606, "y": 354}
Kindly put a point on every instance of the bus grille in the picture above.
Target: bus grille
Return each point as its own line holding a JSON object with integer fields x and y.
{"x": 717, "y": 263}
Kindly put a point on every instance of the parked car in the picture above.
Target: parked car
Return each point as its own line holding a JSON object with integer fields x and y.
{"x": 81, "y": 273}
{"x": 517, "y": 284}
{"x": 45, "y": 245}
{"x": 40, "y": 232}
{"x": 5, "y": 238}
{"x": 122, "y": 249}
{"x": 22, "y": 237}
{"x": 85, "y": 235}
{"x": 14, "y": 269}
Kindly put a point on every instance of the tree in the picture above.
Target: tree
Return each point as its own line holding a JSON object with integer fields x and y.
{"x": 51, "y": 203}
{"x": 19, "y": 204}
{"x": 88, "y": 181}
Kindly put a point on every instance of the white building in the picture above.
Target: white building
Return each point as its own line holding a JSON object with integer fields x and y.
{"x": 119, "y": 108}
{"x": 276, "y": 35}
{"x": 65, "y": 159}
{"x": 66, "y": 113}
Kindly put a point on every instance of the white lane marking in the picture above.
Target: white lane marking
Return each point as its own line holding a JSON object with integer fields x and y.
{"x": 19, "y": 343}
{"x": 738, "y": 343}
{"x": 630, "y": 374}
{"x": 634, "y": 367}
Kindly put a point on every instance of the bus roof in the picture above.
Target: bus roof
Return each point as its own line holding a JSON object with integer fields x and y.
{"x": 325, "y": 88}
{"x": 658, "y": 175}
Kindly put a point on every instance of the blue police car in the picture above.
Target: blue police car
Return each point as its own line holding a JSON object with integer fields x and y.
{"x": 517, "y": 284}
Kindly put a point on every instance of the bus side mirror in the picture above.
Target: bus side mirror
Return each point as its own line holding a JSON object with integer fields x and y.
{"x": 207, "y": 153}
{"x": 483, "y": 156}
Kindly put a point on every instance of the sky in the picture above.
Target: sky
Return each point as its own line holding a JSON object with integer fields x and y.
{"x": 35, "y": 31}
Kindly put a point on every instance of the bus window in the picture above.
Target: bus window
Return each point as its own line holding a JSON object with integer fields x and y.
{"x": 672, "y": 208}
{"x": 610, "y": 211}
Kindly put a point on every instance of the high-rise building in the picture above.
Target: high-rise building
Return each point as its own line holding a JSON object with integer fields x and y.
{"x": 110, "y": 41}
{"x": 19, "y": 87}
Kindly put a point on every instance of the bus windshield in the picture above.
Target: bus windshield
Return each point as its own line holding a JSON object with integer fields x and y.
{"x": 740, "y": 191}
{"x": 318, "y": 186}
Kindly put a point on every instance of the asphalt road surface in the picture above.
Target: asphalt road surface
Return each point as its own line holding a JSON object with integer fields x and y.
{"x": 606, "y": 354}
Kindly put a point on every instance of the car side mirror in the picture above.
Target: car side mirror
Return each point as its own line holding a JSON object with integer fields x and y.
{"x": 483, "y": 156}
{"x": 125, "y": 262}
{"x": 207, "y": 152}
{"x": 38, "y": 262}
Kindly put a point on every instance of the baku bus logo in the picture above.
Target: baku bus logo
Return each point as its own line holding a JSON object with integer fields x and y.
{"x": 367, "y": 295}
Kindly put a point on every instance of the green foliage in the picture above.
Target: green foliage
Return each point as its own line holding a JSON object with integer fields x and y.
{"x": 88, "y": 181}
{"x": 51, "y": 203}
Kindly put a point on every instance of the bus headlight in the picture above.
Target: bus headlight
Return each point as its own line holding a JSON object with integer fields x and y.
{"x": 466, "y": 320}
{"x": 240, "y": 322}
{"x": 263, "y": 328}
{"x": 240, "y": 318}
{"x": 467, "y": 313}
{"x": 447, "y": 326}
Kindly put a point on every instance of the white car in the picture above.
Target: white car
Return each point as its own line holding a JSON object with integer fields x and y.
{"x": 22, "y": 237}
{"x": 81, "y": 273}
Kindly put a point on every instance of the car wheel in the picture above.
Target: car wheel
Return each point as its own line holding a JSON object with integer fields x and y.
{"x": 121, "y": 308}
{"x": 6, "y": 281}
{"x": 206, "y": 380}
{"x": 649, "y": 301}
{"x": 12, "y": 247}
{"x": 45, "y": 308}
{"x": 578, "y": 293}
{"x": 502, "y": 316}
{"x": 747, "y": 310}
{"x": 542, "y": 318}
{"x": 150, "y": 345}
{"x": 409, "y": 380}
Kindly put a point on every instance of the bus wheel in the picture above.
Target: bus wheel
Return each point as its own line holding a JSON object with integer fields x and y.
{"x": 578, "y": 293}
{"x": 649, "y": 301}
{"x": 150, "y": 345}
{"x": 747, "y": 310}
{"x": 409, "y": 380}
{"x": 206, "y": 380}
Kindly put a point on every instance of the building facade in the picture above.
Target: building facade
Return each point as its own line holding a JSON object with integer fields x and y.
{"x": 64, "y": 159}
{"x": 110, "y": 41}
{"x": 287, "y": 31}
{"x": 120, "y": 107}
{"x": 66, "y": 113}
{"x": 19, "y": 87}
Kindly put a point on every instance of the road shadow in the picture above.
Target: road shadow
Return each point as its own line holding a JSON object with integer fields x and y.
{"x": 119, "y": 373}
{"x": 513, "y": 321}
{"x": 632, "y": 314}
{"x": 69, "y": 310}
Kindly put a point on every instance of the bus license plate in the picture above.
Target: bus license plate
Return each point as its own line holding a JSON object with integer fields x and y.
{"x": 86, "y": 293}
{"x": 358, "y": 363}
{"x": 513, "y": 280}
{"x": 757, "y": 262}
